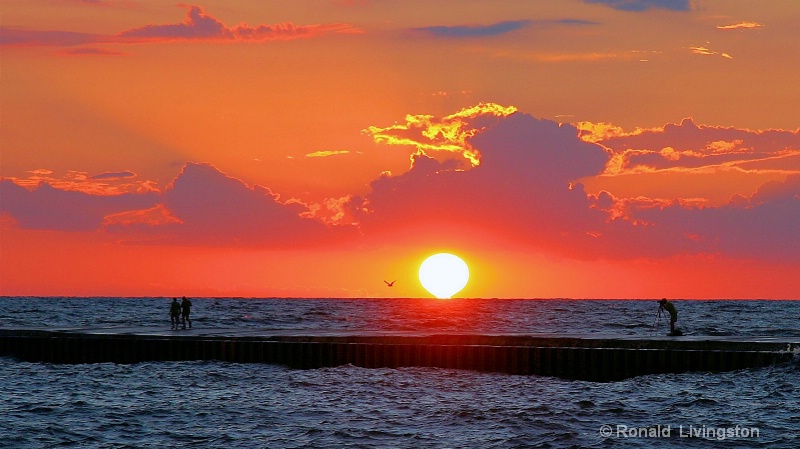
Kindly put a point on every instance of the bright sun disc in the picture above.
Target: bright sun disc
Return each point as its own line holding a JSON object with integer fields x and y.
{"x": 443, "y": 275}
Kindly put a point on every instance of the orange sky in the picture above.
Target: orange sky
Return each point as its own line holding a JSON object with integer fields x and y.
{"x": 580, "y": 148}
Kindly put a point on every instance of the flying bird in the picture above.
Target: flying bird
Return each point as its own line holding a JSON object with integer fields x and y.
{"x": 390, "y": 283}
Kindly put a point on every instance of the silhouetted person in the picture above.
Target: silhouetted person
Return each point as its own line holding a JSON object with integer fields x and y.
{"x": 186, "y": 309}
{"x": 673, "y": 313}
{"x": 174, "y": 313}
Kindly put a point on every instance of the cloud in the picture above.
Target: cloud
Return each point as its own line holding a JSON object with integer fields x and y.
{"x": 327, "y": 153}
{"x": 697, "y": 163}
{"x": 444, "y": 93}
{"x": 521, "y": 187}
{"x": 205, "y": 207}
{"x": 763, "y": 226}
{"x": 706, "y": 51}
{"x": 449, "y": 134}
{"x": 741, "y": 26}
{"x": 687, "y": 144}
{"x": 552, "y": 57}
{"x": 48, "y": 208}
{"x": 526, "y": 190}
{"x": 201, "y": 207}
{"x": 91, "y": 51}
{"x": 645, "y": 5}
{"x": 157, "y": 215}
{"x": 114, "y": 175}
{"x": 196, "y": 26}
{"x": 199, "y": 25}
{"x": 103, "y": 184}
{"x": 216, "y": 209}
{"x": 487, "y": 173}
{"x": 18, "y": 36}
{"x": 474, "y": 30}
{"x": 496, "y": 29}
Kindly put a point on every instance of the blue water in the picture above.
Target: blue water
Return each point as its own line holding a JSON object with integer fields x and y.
{"x": 225, "y": 405}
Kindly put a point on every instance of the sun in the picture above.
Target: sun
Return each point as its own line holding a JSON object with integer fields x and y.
{"x": 443, "y": 275}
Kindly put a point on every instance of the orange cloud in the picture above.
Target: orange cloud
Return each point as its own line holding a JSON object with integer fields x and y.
{"x": 559, "y": 57}
{"x": 198, "y": 25}
{"x": 706, "y": 51}
{"x": 448, "y": 134}
{"x": 521, "y": 180}
{"x": 527, "y": 190}
{"x": 741, "y": 26}
{"x": 598, "y": 132}
{"x": 523, "y": 188}
{"x": 327, "y": 153}
{"x": 91, "y": 51}
{"x": 103, "y": 184}
{"x": 690, "y": 161}
{"x": 689, "y": 145}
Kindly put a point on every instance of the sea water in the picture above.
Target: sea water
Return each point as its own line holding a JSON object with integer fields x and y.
{"x": 230, "y": 405}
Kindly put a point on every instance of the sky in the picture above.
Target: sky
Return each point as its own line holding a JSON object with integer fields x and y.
{"x": 563, "y": 149}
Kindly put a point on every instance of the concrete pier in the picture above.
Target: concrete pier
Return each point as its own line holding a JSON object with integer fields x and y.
{"x": 587, "y": 357}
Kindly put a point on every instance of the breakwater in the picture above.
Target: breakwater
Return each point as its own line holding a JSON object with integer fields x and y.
{"x": 594, "y": 358}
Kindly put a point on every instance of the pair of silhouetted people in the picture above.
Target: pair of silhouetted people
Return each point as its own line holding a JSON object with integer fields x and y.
{"x": 179, "y": 312}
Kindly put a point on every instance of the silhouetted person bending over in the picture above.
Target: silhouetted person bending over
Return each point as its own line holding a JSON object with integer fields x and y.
{"x": 186, "y": 309}
{"x": 174, "y": 313}
{"x": 673, "y": 313}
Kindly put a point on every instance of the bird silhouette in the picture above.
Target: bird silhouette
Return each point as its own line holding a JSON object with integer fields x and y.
{"x": 390, "y": 283}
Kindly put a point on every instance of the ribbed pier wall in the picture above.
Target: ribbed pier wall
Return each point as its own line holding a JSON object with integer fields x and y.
{"x": 574, "y": 358}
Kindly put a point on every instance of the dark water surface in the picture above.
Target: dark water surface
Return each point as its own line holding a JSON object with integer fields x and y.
{"x": 631, "y": 317}
{"x": 226, "y": 405}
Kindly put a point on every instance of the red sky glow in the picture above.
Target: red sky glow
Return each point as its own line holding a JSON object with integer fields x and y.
{"x": 580, "y": 148}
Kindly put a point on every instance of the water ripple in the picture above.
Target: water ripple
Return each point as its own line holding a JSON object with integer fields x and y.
{"x": 219, "y": 404}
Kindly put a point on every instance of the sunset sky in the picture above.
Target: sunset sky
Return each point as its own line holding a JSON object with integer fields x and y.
{"x": 571, "y": 148}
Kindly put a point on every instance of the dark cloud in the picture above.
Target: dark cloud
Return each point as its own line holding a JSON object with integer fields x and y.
{"x": 496, "y": 29}
{"x": 17, "y": 36}
{"x": 644, "y": 5}
{"x": 197, "y": 25}
{"x": 201, "y": 207}
{"x": 216, "y": 209}
{"x": 92, "y": 51}
{"x": 687, "y": 135}
{"x": 521, "y": 188}
{"x": 475, "y": 30}
{"x": 114, "y": 175}
{"x": 690, "y": 145}
{"x": 48, "y": 208}
{"x": 525, "y": 190}
{"x": 763, "y": 226}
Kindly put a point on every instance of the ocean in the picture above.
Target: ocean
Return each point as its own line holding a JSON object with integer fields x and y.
{"x": 230, "y": 405}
